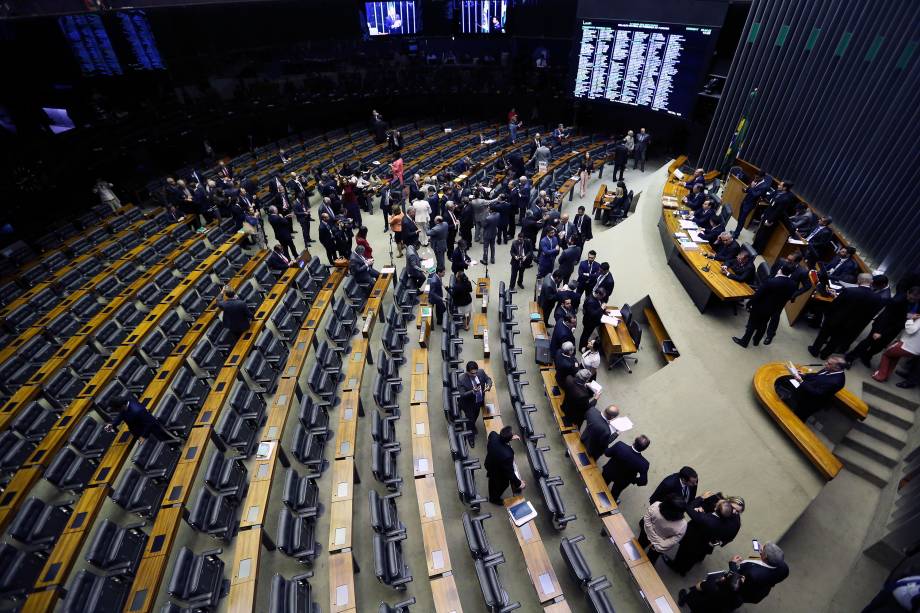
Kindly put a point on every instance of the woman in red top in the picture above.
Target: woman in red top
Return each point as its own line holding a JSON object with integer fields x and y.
{"x": 397, "y": 168}
{"x": 361, "y": 239}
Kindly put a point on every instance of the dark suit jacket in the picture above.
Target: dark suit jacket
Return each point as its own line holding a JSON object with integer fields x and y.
{"x": 326, "y": 238}
{"x": 360, "y": 270}
{"x": 890, "y": 321}
{"x": 438, "y": 235}
{"x": 583, "y": 227}
{"x": 671, "y": 485}
{"x": 625, "y": 466}
{"x": 818, "y": 388}
{"x": 772, "y": 296}
{"x": 799, "y": 277}
{"x": 759, "y": 578}
{"x": 500, "y": 460}
{"x": 548, "y": 294}
{"x": 702, "y": 217}
{"x": 568, "y": 259}
{"x": 713, "y": 233}
{"x": 410, "y": 231}
{"x": 277, "y": 261}
{"x": 467, "y": 393}
{"x": 597, "y": 435}
{"x": 823, "y": 237}
{"x": 726, "y": 253}
{"x": 740, "y": 272}
{"x": 578, "y": 399}
{"x": 605, "y": 282}
{"x": 281, "y": 226}
{"x": 593, "y": 311}
{"x": 844, "y": 271}
{"x": 236, "y": 314}
{"x": 435, "y": 290}
{"x": 565, "y": 365}
{"x": 561, "y": 334}
{"x": 853, "y": 308}
{"x": 490, "y": 226}
{"x": 587, "y": 274}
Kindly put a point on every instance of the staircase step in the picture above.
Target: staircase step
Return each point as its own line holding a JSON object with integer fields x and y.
{"x": 889, "y": 411}
{"x": 872, "y": 447}
{"x": 891, "y": 394}
{"x": 883, "y": 430}
{"x": 867, "y": 468}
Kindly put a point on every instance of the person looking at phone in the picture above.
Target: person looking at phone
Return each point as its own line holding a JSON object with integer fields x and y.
{"x": 761, "y": 572}
{"x": 474, "y": 383}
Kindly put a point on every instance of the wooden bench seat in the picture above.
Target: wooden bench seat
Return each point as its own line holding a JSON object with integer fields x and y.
{"x": 658, "y": 331}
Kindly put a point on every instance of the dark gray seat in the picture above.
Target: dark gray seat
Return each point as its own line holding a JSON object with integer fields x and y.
{"x": 116, "y": 549}
{"x": 214, "y": 514}
{"x": 156, "y": 347}
{"x": 301, "y": 493}
{"x": 189, "y": 388}
{"x": 464, "y": 471}
{"x": 309, "y": 447}
{"x": 228, "y": 476}
{"x": 135, "y": 375}
{"x": 34, "y": 421}
{"x": 13, "y": 451}
{"x": 139, "y": 493}
{"x": 92, "y": 593}
{"x": 235, "y": 432}
{"x": 493, "y": 592}
{"x": 62, "y": 388}
{"x": 18, "y": 570}
{"x": 294, "y": 595}
{"x": 198, "y": 579}
{"x": 389, "y": 562}
{"x": 38, "y": 525}
{"x": 555, "y": 503}
{"x": 70, "y": 471}
{"x": 384, "y": 464}
{"x": 399, "y": 607}
{"x": 296, "y": 536}
{"x": 175, "y": 415}
{"x": 258, "y": 373}
{"x": 207, "y": 358}
{"x": 476, "y": 536}
{"x": 384, "y": 514}
{"x": 156, "y": 458}
{"x": 86, "y": 362}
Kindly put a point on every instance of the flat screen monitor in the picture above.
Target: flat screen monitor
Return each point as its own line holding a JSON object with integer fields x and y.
{"x": 654, "y": 65}
{"x": 483, "y": 16}
{"x": 58, "y": 120}
{"x": 90, "y": 44}
{"x": 137, "y": 32}
{"x": 389, "y": 18}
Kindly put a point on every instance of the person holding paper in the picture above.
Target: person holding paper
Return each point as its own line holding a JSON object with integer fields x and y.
{"x": 473, "y": 385}
{"x": 593, "y": 312}
{"x": 812, "y": 391}
{"x": 579, "y": 397}
{"x": 500, "y": 470}
{"x": 362, "y": 268}
{"x": 599, "y": 432}
{"x": 626, "y": 465}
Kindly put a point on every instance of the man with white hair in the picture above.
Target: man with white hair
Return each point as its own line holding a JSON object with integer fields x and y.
{"x": 760, "y": 574}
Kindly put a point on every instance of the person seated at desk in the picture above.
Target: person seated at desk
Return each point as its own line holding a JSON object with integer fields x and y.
{"x": 706, "y": 212}
{"x": 564, "y": 361}
{"x": 843, "y": 268}
{"x": 696, "y": 179}
{"x": 818, "y": 239}
{"x": 804, "y": 220}
{"x": 278, "y": 261}
{"x": 616, "y": 208}
{"x": 564, "y": 309}
{"x": 813, "y": 390}
{"x": 726, "y": 248}
{"x": 362, "y": 268}
{"x": 694, "y": 200}
{"x": 740, "y": 269}
{"x": 712, "y": 233}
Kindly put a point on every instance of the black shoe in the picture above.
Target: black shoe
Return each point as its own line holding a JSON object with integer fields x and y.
{"x": 756, "y": 342}
{"x": 483, "y": 262}
{"x": 738, "y": 341}
{"x": 521, "y": 285}
{"x": 902, "y": 373}
{"x": 682, "y": 598}
{"x": 472, "y": 443}
{"x": 768, "y": 340}
{"x": 813, "y": 351}
{"x": 866, "y": 361}
{"x": 493, "y": 262}
{"x": 906, "y": 385}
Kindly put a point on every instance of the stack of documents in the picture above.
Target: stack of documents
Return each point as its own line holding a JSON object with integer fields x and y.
{"x": 613, "y": 321}
{"x": 621, "y": 424}
{"x": 686, "y": 224}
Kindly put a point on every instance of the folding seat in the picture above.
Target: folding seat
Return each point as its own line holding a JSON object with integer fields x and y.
{"x": 399, "y": 318}
{"x": 173, "y": 326}
{"x": 458, "y": 440}
{"x": 339, "y": 333}
{"x": 257, "y": 373}
{"x": 9, "y": 291}
{"x": 384, "y": 515}
{"x": 190, "y": 389}
{"x": 134, "y": 374}
{"x": 175, "y": 415}
{"x": 44, "y": 300}
{"x": 228, "y": 476}
{"x": 317, "y": 269}
{"x": 54, "y": 261}
{"x": 578, "y": 565}
{"x": 92, "y": 593}
{"x": 222, "y": 269}
{"x": 69, "y": 471}
{"x": 110, "y": 335}
{"x": 296, "y": 536}
{"x": 263, "y": 276}
{"x": 111, "y": 391}
{"x": 63, "y": 327}
{"x": 85, "y": 307}
{"x": 34, "y": 275}
{"x": 535, "y": 455}
{"x": 383, "y": 429}
{"x": 155, "y": 348}
{"x": 294, "y": 305}
{"x": 273, "y": 348}
{"x": 139, "y": 493}
{"x": 323, "y": 384}
{"x": 149, "y": 295}
{"x": 69, "y": 281}
{"x": 236, "y": 256}
{"x": 306, "y": 285}
{"x": 192, "y": 304}
{"x": 555, "y": 503}
{"x": 33, "y": 422}
{"x": 115, "y": 549}
{"x": 476, "y": 536}
{"x": 597, "y": 597}
{"x": 38, "y": 525}
{"x": 182, "y": 232}
{"x": 250, "y": 295}
{"x": 301, "y": 494}
{"x": 285, "y": 322}
{"x": 216, "y": 236}
{"x": 496, "y": 598}
{"x": 91, "y": 439}
{"x": 385, "y": 395}
{"x": 98, "y": 235}
{"x": 384, "y": 464}
{"x": 147, "y": 257}
{"x": 163, "y": 245}
{"x": 450, "y": 402}
{"x": 18, "y": 571}
{"x": 21, "y": 318}
{"x": 13, "y": 451}
{"x": 345, "y": 312}
{"x": 389, "y": 562}
{"x": 214, "y": 514}
{"x": 314, "y": 415}
{"x": 166, "y": 280}
{"x": 207, "y": 359}
{"x": 464, "y": 470}
{"x": 399, "y": 607}
{"x": 355, "y": 292}
{"x": 118, "y": 224}
{"x": 109, "y": 287}
{"x": 308, "y": 448}
{"x": 14, "y": 372}
{"x": 247, "y": 403}
{"x": 198, "y": 579}
{"x": 37, "y": 350}
{"x": 156, "y": 459}
{"x": 330, "y": 358}
{"x": 184, "y": 263}
{"x": 62, "y": 388}
{"x": 112, "y": 251}
{"x": 198, "y": 251}
{"x": 207, "y": 288}
{"x": 221, "y": 337}
{"x": 234, "y": 432}
{"x": 294, "y": 595}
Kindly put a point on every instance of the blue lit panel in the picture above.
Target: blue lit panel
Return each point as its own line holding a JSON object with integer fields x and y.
{"x": 90, "y": 43}
{"x": 137, "y": 31}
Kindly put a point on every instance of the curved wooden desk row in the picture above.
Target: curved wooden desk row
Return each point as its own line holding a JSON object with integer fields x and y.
{"x": 827, "y": 463}
{"x": 643, "y": 572}
{"x": 62, "y": 558}
{"x": 373, "y": 308}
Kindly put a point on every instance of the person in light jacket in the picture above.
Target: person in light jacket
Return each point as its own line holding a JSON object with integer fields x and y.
{"x": 662, "y": 527}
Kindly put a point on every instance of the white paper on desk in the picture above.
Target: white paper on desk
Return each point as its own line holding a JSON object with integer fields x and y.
{"x": 546, "y": 584}
{"x": 686, "y": 224}
{"x": 791, "y": 368}
{"x": 622, "y": 424}
{"x": 696, "y": 238}
{"x": 689, "y": 245}
{"x": 388, "y": 270}
{"x": 607, "y": 319}
{"x": 460, "y": 177}
{"x": 488, "y": 141}
{"x": 575, "y": 178}
{"x": 595, "y": 387}
{"x": 422, "y": 464}
{"x": 341, "y": 595}
{"x": 681, "y": 236}
{"x": 375, "y": 163}
{"x": 795, "y": 241}
{"x": 615, "y": 313}
{"x": 678, "y": 175}
{"x": 661, "y": 603}
{"x": 794, "y": 383}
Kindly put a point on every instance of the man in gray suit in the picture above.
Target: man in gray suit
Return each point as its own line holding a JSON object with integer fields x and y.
{"x": 489, "y": 234}
{"x": 414, "y": 265}
{"x": 438, "y": 235}
{"x": 480, "y": 211}
{"x": 643, "y": 139}
{"x": 362, "y": 268}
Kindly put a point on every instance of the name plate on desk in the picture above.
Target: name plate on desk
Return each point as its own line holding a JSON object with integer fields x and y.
{"x": 661, "y": 604}
{"x": 341, "y": 595}
{"x": 546, "y": 584}
{"x": 430, "y": 509}
{"x": 632, "y": 552}
{"x": 342, "y": 490}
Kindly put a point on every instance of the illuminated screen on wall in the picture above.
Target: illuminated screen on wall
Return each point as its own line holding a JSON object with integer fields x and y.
{"x": 653, "y": 65}
{"x": 386, "y": 18}
{"x": 136, "y": 30}
{"x": 483, "y": 16}
{"x": 90, "y": 44}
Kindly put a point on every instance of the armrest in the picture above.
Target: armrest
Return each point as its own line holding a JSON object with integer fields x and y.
{"x": 212, "y": 552}
{"x": 494, "y": 559}
{"x": 393, "y": 495}
{"x": 565, "y": 519}
{"x": 555, "y": 480}
{"x": 510, "y": 607}
{"x": 577, "y": 538}
{"x": 302, "y": 576}
{"x": 517, "y": 373}
{"x": 403, "y": 581}
{"x": 397, "y": 534}
{"x": 599, "y": 583}
{"x": 136, "y": 525}
{"x": 536, "y": 437}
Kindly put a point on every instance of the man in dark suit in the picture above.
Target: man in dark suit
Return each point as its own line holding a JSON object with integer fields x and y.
{"x": 782, "y": 203}
{"x": 768, "y": 300}
{"x": 549, "y": 290}
{"x": 605, "y": 280}
{"x": 726, "y": 248}
{"x": 843, "y": 268}
{"x": 473, "y": 385}
{"x": 712, "y": 233}
{"x": 410, "y": 230}
{"x": 620, "y": 155}
{"x": 643, "y": 139}
{"x": 279, "y": 262}
{"x": 802, "y": 282}
{"x": 563, "y": 332}
{"x": 698, "y": 178}
{"x": 740, "y": 269}
{"x": 694, "y": 200}
{"x": 453, "y": 224}
{"x": 818, "y": 241}
{"x": 886, "y": 327}
{"x": 682, "y": 483}
{"x": 500, "y": 465}
{"x": 712, "y": 522}
{"x": 760, "y": 575}
{"x": 588, "y": 271}
{"x": 521, "y": 254}
{"x": 283, "y": 227}
{"x": 752, "y": 195}
{"x": 583, "y": 230}
{"x": 361, "y": 268}
{"x": 568, "y": 259}
{"x": 626, "y": 465}
{"x": 327, "y": 238}
{"x": 593, "y": 311}
{"x": 599, "y": 434}
{"x": 490, "y": 234}
{"x": 578, "y": 397}
{"x": 849, "y": 313}
{"x": 814, "y": 390}
{"x": 414, "y": 266}
{"x": 438, "y": 235}
{"x": 564, "y": 361}
{"x": 705, "y": 214}
{"x": 237, "y": 315}
{"x": 436, "y": 295}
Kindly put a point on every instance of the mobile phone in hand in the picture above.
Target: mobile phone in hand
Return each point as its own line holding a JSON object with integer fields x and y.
{"x": 756, "y": 545}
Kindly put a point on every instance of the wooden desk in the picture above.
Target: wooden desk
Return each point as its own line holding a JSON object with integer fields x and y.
{"x": 480, "y": 324}
{"x": 437, "y": 556}
{"x": 541, "y": 572}
{"x": 764, "y": 385}
{"x": 341, "y": 582}
{"x": 421, "y": 428}
{"x": 354, "y": 365}
{"x": 342, "y": 482}
{"x": 445, "y": 594}
{"x": 598, "y": 490}
{"x": 623, "y": 538}
{"x": 340, "y": 518}
{"x": 482, "y": 292}
{"x": 419, "y": 361}
{"x": 559, "y": 607}
{"x": 282, "y": 406}
{"x": 418, "y": 389}
{"x": 577, "y": 452}
{"x": 422, "y": 457}
{"x": 653, "y": 588}
{"x": 658, "y": 331}
{"x": 492, "y": 424}
{"x": 346, "y": 433}
{"x": 426, "y": 492}
{"x": 243, "y": 572}
{"x": 555, "y": 401}
{"x": 616, "y": 341}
